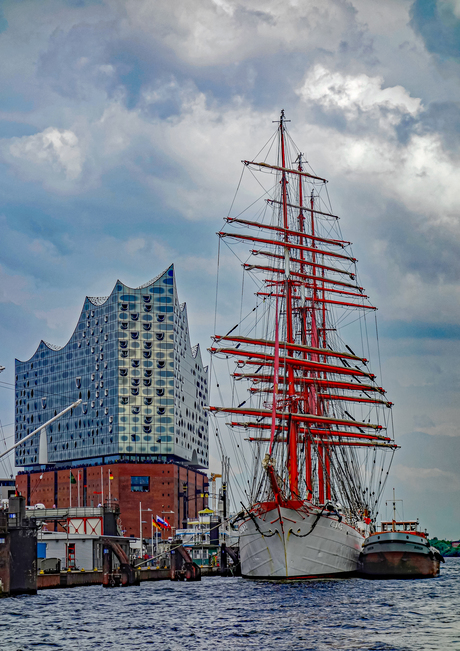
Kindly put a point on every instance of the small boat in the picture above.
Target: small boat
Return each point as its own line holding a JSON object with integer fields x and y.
{"x": 399, "y": 551}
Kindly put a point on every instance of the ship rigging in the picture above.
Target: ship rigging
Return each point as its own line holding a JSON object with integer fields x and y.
{"x": 319, "y": 423}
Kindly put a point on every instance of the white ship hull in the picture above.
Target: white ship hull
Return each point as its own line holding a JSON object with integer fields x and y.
{"x": 294, "y": 544}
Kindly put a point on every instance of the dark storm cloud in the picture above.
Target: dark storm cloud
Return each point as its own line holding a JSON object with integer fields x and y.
{"x": 420, "y": 245}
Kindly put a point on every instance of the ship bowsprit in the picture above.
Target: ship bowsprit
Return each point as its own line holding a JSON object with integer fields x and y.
{"x": 291, "y": 544}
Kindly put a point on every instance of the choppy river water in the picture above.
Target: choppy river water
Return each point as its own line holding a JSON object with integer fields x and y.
{"x": 234, "y": 614}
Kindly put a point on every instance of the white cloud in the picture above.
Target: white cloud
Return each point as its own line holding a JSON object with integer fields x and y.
{"x": 58, "y": 148}
{"x": 205, "y": 33}
{"x": 54, "y": 157}
{"x": 355, "y": 94}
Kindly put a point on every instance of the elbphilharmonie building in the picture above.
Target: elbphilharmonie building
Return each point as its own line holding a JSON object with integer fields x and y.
{"x": 142, "y": 385}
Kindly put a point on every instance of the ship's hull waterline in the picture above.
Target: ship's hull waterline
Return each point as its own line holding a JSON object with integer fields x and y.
{"x": 291, "y": 544}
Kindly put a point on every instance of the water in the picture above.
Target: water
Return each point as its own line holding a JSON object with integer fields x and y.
{"x": 234, "y": 614}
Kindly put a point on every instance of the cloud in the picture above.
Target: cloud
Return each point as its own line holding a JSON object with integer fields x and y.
{"x": 217, "y": 32}
{"x": 438, "y": 22}
{"x": 52, "y": 156}
{"x": 434, "y": 478}
{"x": 62, "y": 319}
{"x": 422, "y": 420}
{"x": 355, "y": 94}
{"x": 13, "y": 288}
{"x": 134, "y": 245}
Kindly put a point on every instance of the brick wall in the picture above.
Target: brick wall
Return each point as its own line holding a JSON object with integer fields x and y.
{"x": 166, "y": 485}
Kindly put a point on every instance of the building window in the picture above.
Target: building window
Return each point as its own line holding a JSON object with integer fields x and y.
{"x": 140, "y": 484}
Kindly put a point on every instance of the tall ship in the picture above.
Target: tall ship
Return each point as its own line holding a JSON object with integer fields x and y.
{"x": 309, "y": 408}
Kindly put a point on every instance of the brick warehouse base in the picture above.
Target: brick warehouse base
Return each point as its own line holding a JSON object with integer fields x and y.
{"x": 159, "y": 487}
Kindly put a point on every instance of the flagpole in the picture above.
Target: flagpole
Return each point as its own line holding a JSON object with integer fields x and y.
{"x": 78, "y": 488}
{"x": 70, "y": 488}
{"x": 140, "y": 529}
{"x": 102, "y": 485}
{"x": 110, "y": 496}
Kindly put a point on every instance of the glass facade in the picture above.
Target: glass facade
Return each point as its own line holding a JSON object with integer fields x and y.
{"x": 142, "y": 385}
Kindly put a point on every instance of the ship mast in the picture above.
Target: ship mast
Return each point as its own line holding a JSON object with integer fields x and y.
{"x": 311, "y": 380}
{"x": 293, "y": 426}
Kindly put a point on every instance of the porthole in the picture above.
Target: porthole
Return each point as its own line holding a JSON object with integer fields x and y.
{"x": 161, "y": 411}
{"x": 148, "y": 308}
{"x": 148, "y": 401}
{"x": 160, "y": 363}
{"x": 160, "y": 317}
{"x": 135, "y": 391}
{"x": 134, "y": 335}
{"x": 147, "y": 326}
{"x": 135, "y": 316}
{"x": 124, "y": 353}
{"x": 123, "y": 372}
{"x": 147, "y": 354}
{"x": 160, "y": 392}
{"x": 160, "y": 336}
{"x": 135, "y": 363}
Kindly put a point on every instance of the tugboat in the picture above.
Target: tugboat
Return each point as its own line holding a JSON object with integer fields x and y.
{"x": 399, "y": 551}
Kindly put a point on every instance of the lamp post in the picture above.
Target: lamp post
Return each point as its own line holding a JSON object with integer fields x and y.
{"x": 141, "y": 522}
{"x": 164, "y": 513}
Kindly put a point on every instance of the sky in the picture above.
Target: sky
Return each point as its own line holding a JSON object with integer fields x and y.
{"x": 122, "y": 128}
